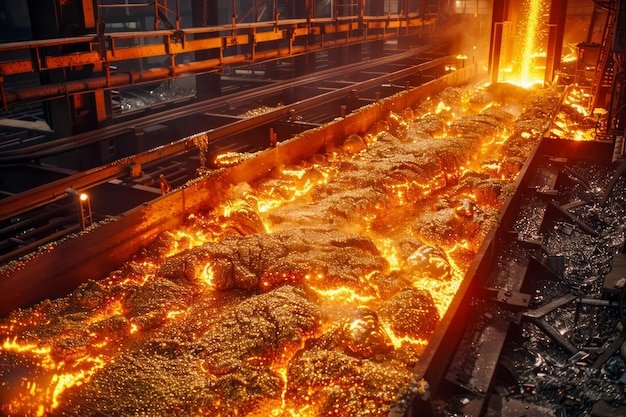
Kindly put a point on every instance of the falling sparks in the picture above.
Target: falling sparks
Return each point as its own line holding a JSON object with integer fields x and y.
{"x": 525, "y": 68}
{"x": 530, "y": 41}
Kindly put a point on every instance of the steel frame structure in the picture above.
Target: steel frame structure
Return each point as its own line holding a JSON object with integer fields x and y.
{"x": 230, "y": 44}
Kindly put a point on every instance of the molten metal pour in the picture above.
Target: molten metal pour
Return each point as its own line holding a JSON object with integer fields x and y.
{"x": 312, "y": 292}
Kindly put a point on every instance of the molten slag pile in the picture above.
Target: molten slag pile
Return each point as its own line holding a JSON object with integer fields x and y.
{"x": 312, "y": 292}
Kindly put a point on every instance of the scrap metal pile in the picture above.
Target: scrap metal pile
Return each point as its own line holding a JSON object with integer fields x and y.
{"x": 567, "y": 360}
{"x": 312, "y": 292}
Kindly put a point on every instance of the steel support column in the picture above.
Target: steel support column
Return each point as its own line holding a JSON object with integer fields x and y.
{"x": 499, "y": 19}
{"x": 89, "y": 14}
{"x": 556, "y": 27}
{"x": 60, "y": 19}
{"x": 206, "y": 13}
{"x": 617, "y": 110}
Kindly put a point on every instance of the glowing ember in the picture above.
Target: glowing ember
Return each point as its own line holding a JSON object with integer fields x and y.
{"x": 325, "y": 315}
{"x": 229, "y": 159}
{"x": 41, "y": 394}
{"x": 344, "y": 295}
{"x": 573, "y": 121}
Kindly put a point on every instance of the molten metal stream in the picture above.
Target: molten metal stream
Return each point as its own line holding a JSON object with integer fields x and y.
{"x": 530, "y": 41}
{"x": 312, "y": 292}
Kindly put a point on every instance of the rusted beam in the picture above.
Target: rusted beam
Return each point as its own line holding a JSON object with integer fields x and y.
{"x": 241, "y": 36}
{"x": 49, "y": 148}
{"x": 73, "y": 60}
{"x": 125, "y": 79}
{"x": 89, "y": 14}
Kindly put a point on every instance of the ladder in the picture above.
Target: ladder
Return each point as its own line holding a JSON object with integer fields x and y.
{"x": 603, "y": 75}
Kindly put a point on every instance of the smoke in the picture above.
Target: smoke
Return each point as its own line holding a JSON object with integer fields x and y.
{"x": 238, "y": 190}
{"x": 466, "y": 35}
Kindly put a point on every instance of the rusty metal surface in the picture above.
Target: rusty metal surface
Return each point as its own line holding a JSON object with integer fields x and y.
{"x": 186, "y": 41}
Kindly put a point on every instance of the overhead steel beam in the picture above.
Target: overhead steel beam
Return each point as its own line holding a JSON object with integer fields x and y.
{"x": 102, "y": 50}
{"x": 59, "y": 145}
{"x": 185, "y": 41}
{"x": 154, "y": 74}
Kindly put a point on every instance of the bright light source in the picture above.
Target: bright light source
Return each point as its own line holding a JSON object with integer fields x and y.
{"x": 84, "y": 197}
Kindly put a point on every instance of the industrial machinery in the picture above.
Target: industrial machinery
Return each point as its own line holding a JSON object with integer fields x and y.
{"x": 357, "y": 225}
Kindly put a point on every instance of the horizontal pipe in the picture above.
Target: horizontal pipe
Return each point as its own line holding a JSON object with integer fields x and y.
{"x": 123, "y": 6}
{"x": 71, "y": 142}
{"x": 32, "y": 246}
{"x": 32, "y": 220}
{"x": 121, "y": 79}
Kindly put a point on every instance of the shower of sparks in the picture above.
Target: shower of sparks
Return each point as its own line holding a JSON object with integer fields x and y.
{"x": 530, "y": 42}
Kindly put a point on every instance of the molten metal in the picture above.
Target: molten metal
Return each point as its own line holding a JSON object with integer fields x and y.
{"x": 312, "y": 292}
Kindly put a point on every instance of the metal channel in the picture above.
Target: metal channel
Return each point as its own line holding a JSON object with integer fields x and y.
{"x": 48, "y": 193}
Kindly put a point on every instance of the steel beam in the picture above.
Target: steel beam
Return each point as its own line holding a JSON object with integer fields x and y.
{"x": 193, "y": 40}
{"x": 109, "y": 132}
{"x": 499, "y": 18}
{"x": 556, "y": 28}
{"x": 153, "y": 74}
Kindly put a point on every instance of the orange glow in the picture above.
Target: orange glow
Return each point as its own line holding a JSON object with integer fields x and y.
{"x": 398, "y": 342}
{"x": 573, "y": 121}
{"x": 112, "y": 309}
{"x": 208, "y": 275}
{"x": 442, "y": 107}
{"x": 173, "y": 314}
{"x": 390, "y": 253}
{"x": 12, "y": 345}
{"x": 391, "y": 222}
{"x": 45, "y": 397}
{"x": 525, "y": 69}
{"x": 345, "y": 295}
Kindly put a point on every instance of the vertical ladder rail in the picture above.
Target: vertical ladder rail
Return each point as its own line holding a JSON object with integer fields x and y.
{"x": 603, "y": 67}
